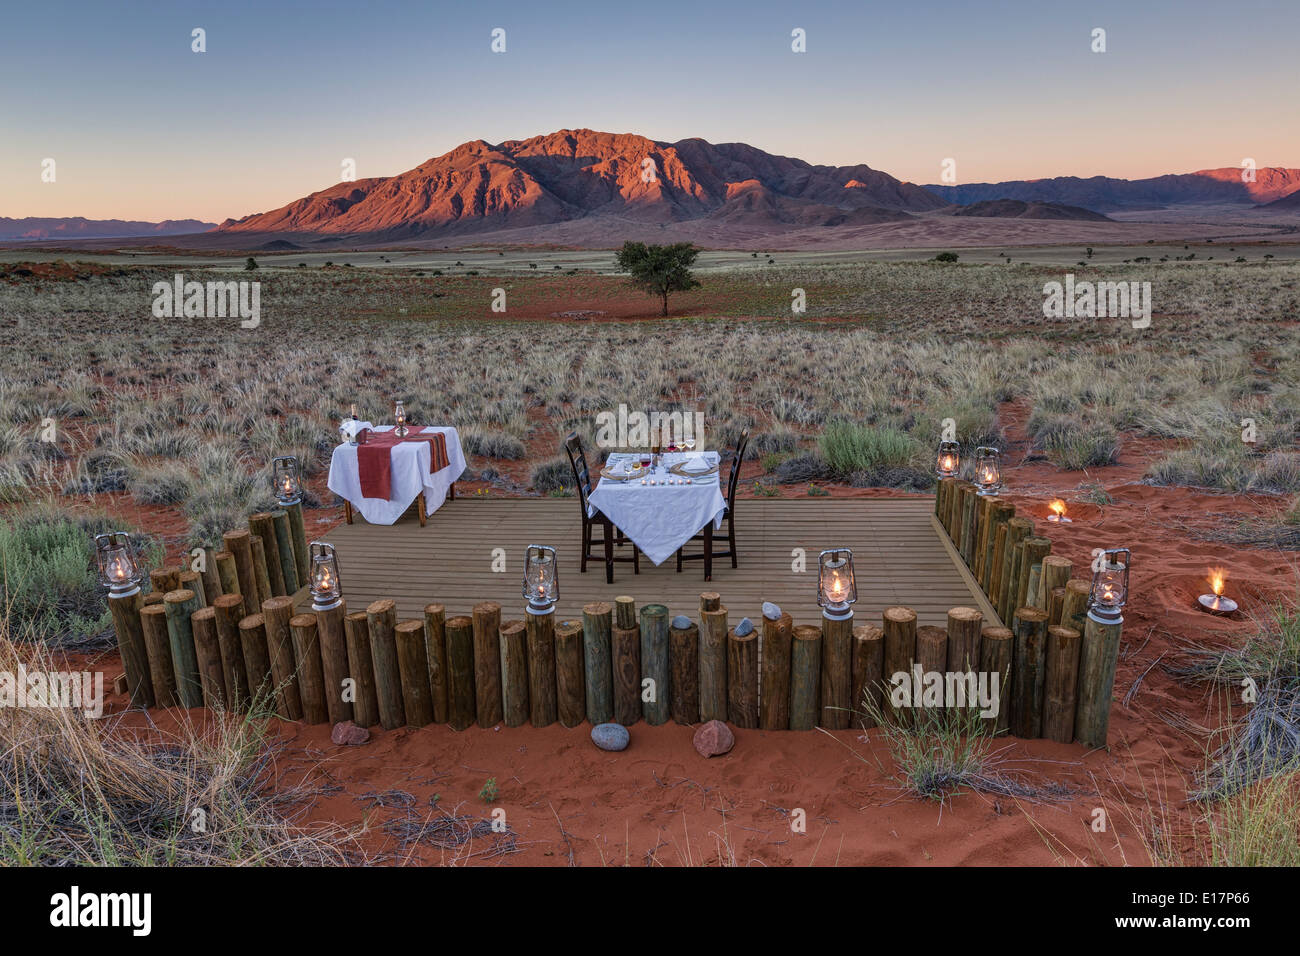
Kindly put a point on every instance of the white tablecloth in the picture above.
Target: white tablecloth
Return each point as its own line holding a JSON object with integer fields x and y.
{"x": 661, "y": 518}
{"x": 410, "y": 476}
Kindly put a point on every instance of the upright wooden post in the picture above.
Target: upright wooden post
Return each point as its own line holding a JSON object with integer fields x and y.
{"x": 964, "y": 626}
{"x": 207, "y": 650}
{"x": 460, "y": 672}
{"x": 413, "y": 671}
{"x": 158, "y": 650}
{"x": 541, "y": 668}
{"x": 1055, "y": 572}
{"x": 900, "y": 647}
{"x": 229, "y": 610}
{"x": 311, "y": 681}
{"x": 361, "y": 668}
{"x": 868, "y": 673}
{"x": 125, "y": 612}
{"x": 1018, "y": 528}
{"x": 227, "y": 573}
{"x": 334, "y": 660}
{"x": 284, "y": 551}
{"x": 625, "y": 662}
{"x": 598, "y": 673}
{"x": 932, "y": 657}
{"x": 684, "y": 673}
{"x": 654, "y": 662}
{"x": 997, "y": 645}
{"x": 514, "y": 673}
{"x": 261, "y": 573}
{"x": 966, "y": 530}
{"x": 983, "y": 522}
{"x": 1031, "y": 592}
{"x": 1098, "y": 657}
{"x": 713, "y": 662}
{"x": 299, "y": 539}
{"x": 1001, "y": 512}
{"x": 435, "y": 648}
{"x": 262, "y": 525}
{"x": 774, "y": 690}
{"x": 257, "y": 658}
{"x": 211, "y": 577}
{"x": 805, "y": 676}
{"x": 742, "y": 678}
{"x": 1059, "y": 696}
{"x": 279, "y": 642}
{"x": 192, "y": 581}
{"x": 1032, "y": 551}
{"x": 487, "y": 663}
{"x": 179, "y": 605}
{"x": 570, "y": 680}
{"x": 1027, "y": 679}
{"x": 1075, "y": 606}
{"x": 240, "y": 546}
{"x": 164, "y": 579}
{"x": 381, "y": 617}
{"x": 837, "y": 672}
{"x": 994, "y": 588}
{"x": 1055, "y": 605}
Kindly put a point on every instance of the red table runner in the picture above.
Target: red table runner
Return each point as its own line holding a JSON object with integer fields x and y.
{"x": 375, "y": 460}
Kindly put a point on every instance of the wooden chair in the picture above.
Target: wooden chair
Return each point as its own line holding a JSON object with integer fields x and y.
{"x": 706, "y": 535}
{"x": 593, "y": 518}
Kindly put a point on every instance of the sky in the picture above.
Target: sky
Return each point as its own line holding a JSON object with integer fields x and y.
{"x": 142, "y": 127}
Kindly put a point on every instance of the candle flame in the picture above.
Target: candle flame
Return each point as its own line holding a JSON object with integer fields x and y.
{"x": 1058, "y": 507}
{"x": 1217, "y": 578}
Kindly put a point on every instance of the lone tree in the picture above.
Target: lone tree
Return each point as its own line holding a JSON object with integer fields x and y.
{"x": 658, "y": 270}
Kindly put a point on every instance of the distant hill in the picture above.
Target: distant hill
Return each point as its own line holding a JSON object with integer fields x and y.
{"x": 1018, "y": 209}
{"x": 80, "y": 228}
{"x": 1103, "y": 193}
{"x": 1286, "y": 202}
{"x": 583, "y": 174}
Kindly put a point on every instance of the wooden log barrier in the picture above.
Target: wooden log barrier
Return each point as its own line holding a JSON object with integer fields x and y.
{"x": 774, "y": 687}
{"x": 125, "y": 612}
{"x": 229, "y": 610}
{"x": 261, "y": 573}
{"x": 284, "y": 551}
{"x": 1031, "y": 593}
{"x": 625, "y": 611}
{"x": 932, "y": 658}
{"x": 997, "y": 647}
{"x": 334, "y": 660}
{"x": 1060, "y": 683}
{"x": 207, "y": 651}
{"x": 713, "y": 662}
{"x": 1032, "y": 551}
{"x": 163, "y": 580}
{"x": 257, "y": 660}
{"x": 983, "y": 522}
{"x": 1098, "y": 657}
{"x": 276, "y": 614}
{"x": 487, "y": 662}
{"x": 158, "y": 650}
{"x": 993, "y": 590}
{"x": 684, "y": 673}
{"x": 805, "y": 676}
{"x": 361, "y": 668}
{"x": 311, "y": 680}
{"x": 299, "y": 538}
{"x": 742, "y": 678}
{"x": 1018, "y": 528}
{"x": 837, "y": 672}
{"x": 514, "y": 673}
{"x": 239, "y": 544}
{"x": 1055, "y": 606}
{"x": 435, "y": 649}
{"x": 211, "y": 576}
{"x": 654, "y": 663}
{"x": 964, "y": 627}
{"x": 1028, "y": 674}
{"x": 1000, "y": 513}
{"x": 1055, "y": 572}
{"x": 153, "y": 597}
{"x": 570, "y": 680}
{"x": 192, "y": 581}
{"x": 625, "y": 665}
{"x": 868, "y": 674}
{"x": 262, "y": 525}
{"x": 179, "y": 605}
{"x": 966, "y": 531}
{"x": 900, "y": 647}
{"x": 226, "y": 573}
{"x": 381, "y": 618}
{"x": 541, "y": 669}
{"x": 598, "y": 671}
{"x": 413, "y": 671}
{"x": 461, "y": 695}
{"x": 1074, "y": 609}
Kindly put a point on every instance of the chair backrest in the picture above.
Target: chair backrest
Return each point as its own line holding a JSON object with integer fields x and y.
{"x": 734, "y": 478}
{"x": 578, "y": 461}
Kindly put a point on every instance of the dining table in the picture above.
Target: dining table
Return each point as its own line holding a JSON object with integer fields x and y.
{"x": 381, "y": 497}
{"x": 659, "y": 509}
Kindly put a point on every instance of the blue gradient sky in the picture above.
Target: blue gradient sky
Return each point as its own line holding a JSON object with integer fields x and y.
{"x": 143, "y": 128}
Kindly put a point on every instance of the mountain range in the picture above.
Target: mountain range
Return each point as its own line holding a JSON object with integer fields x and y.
{"x": 41, "y": 228}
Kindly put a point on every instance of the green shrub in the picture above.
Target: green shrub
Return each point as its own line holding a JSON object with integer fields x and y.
{"x": 847, "y": 447}
{"x": 166, "y": 484}
{"x": 1084, "y": 446}
{"x": 493, "y": 445}
{"x": 554, "y": 475}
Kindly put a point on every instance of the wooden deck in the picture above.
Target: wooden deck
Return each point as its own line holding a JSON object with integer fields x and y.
{"x": 899, "y": 558}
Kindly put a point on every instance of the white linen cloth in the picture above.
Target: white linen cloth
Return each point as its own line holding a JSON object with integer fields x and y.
{"x": 661, "y": 518}
{"x": 410, "y": 476}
